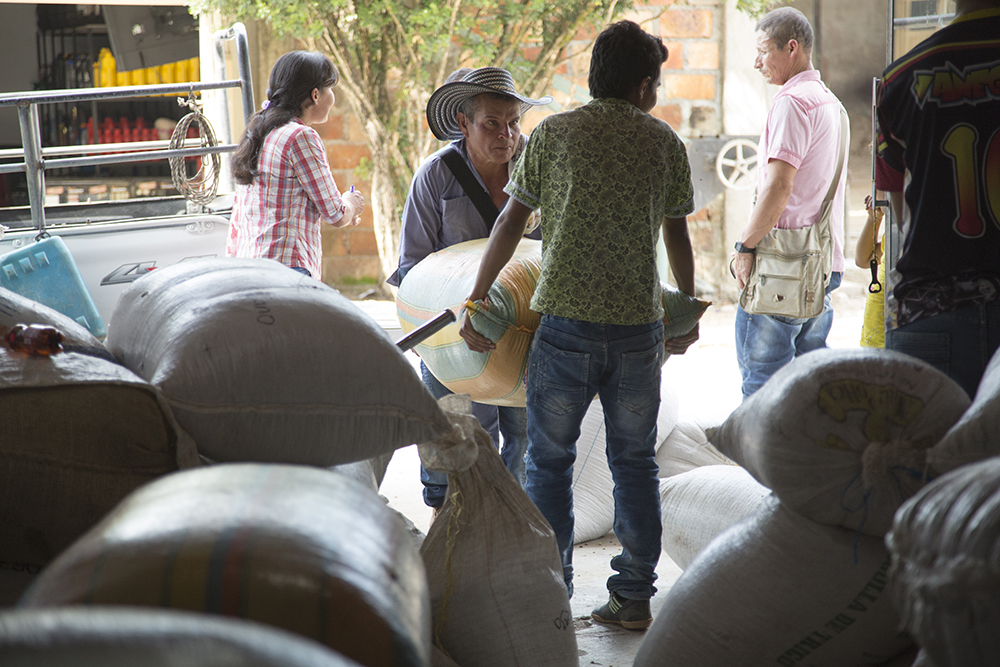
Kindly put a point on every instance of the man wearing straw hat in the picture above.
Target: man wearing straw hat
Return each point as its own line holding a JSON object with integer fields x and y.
{"x": 607, "y": 177}
{"x": 455, "y": 196}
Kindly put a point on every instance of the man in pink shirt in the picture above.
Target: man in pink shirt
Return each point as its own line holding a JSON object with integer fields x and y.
{"x": 797, "y": 161}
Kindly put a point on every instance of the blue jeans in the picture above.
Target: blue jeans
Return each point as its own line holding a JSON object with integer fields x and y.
{"x": 570, "y": 362}
{"x": 765, "y": 343}
{"x": 507, "y": 421}
{"x": 959, "y": 343}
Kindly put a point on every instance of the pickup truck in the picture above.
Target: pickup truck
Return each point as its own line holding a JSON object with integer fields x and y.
{"x": 115, "y": 242}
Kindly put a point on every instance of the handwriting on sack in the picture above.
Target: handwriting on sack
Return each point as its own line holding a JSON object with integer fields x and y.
{"x": 563, "y": 620}
{"x": 264, "y": 315}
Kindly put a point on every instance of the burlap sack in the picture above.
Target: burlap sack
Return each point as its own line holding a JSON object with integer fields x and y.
{"x": 700, "y": 504}
{"x": 261, "y": 363}
{"x": 79, "y": 433}
{"x": 444, "y": 280}
{"x": 976, "y": 435}
{"x": 16, "y": 309}
{"x": 493, "y": 568}
{"x": 779, "y": 589}
{"x": 841, "y": 436}
{"x": 593, "y": 486}
{"x": 295, "y": 547}
{"x": 945, "y": 570}
{"x": 686, "y": 447}
{"x": 136, "y": 637}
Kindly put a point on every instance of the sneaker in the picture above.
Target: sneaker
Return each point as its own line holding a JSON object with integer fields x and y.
{"x": 630, "y": 614}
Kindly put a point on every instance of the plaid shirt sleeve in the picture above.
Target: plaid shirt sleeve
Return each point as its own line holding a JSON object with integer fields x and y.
{"x": 313, "y": 173}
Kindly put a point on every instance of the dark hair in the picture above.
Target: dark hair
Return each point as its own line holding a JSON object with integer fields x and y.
{"x": 624, "y": 54}
{"x": 293, "y": 78}
{"x": 784, "y": 24}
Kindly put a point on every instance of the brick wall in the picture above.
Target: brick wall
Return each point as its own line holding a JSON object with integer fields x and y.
{"x": 689, "y": 100}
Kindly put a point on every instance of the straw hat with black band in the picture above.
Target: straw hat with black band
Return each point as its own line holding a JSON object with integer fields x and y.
{"x": 446, "y": 101}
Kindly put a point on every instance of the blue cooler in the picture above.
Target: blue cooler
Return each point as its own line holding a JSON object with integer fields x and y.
{"x": 45, "y": 272}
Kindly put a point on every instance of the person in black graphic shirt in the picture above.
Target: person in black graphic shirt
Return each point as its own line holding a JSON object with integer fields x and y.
{"x": 939, "y": 110}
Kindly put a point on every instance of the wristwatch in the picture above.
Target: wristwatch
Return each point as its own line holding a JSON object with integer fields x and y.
{"x": 743, "y": 249}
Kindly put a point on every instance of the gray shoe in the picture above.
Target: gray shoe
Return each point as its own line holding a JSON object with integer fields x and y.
{"x": 630, "y": 614}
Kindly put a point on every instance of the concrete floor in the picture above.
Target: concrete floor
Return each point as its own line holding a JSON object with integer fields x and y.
{"x": 710, "y": 381}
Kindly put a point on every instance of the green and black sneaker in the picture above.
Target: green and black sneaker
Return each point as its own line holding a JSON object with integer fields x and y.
{"x": 630, "y": 614}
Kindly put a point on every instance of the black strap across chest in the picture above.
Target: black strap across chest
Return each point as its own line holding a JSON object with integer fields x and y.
{"x": 480, "y": 197}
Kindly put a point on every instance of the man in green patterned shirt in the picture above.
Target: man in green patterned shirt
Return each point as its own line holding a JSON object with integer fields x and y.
{"x": 607, "y": 177}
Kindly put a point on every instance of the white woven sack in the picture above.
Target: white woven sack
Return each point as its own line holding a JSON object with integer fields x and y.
{"x": 698, "y": 505}
{"x": 976, "y": 435}
{"x": 779, "y": 589}
{"x": 17, "y": 309}
{"x": 15, "y": 578}
{"x": 79, "y": 433}
{"x": 593, "y": 487}
{"x": 124, "y": 636}
{"x": 261, "y": 363}
{"x": 687, "y": 446}
{"x": 841, "y": 436}
{"x": 294, "y": 547}
{"x": 945, "y": 569}
{"x": 493, "y": 568}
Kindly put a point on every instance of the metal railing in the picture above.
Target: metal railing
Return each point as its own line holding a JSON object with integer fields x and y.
{"x": 36, "y": 160}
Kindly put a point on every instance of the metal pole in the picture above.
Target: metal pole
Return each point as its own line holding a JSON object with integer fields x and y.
{"x": 243, "y": 61}
{"x": 27, "y": 115}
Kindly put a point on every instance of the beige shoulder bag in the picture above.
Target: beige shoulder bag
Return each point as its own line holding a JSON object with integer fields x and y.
{"x": 792, "y": 267}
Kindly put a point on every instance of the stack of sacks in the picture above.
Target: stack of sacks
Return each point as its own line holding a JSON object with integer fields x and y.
{"x": 779, "y": 589}
{"x": 841, "y": 438}
{"x": 444, "y": 280}
{"x": 261, "y": 363}
{"x": 703, "y": 502}
{"x": 686, "y": 447}
{"x": 493, "y": 568}
{"x": 945, "y": 575}
{"x": 593, "y": 487}
{"x": 976, "y": 435}
{"x": 80, "y": 432}
{"x": 15, "y": 574}
{"x": 293, "y": 547}
{"x": 134, "y": 637}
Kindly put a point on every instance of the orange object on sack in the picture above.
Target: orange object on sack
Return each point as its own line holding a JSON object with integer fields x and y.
{"x": 38, "y": 340}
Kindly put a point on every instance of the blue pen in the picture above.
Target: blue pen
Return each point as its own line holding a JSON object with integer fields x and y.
{"x": 352, "y": 188}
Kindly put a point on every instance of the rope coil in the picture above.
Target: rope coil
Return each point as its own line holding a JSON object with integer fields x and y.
{"x": 202, "y": 186}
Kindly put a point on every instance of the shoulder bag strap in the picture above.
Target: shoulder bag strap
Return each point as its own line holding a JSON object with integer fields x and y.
{"x": 845, "y": 129}
{"x": 480, "y": 198}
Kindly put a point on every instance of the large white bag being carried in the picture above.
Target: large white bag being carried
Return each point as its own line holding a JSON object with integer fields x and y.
{"x": 841, "y": 436}
{"x": 593, "y": 486}
{"x": 945, "y": 571}
{"x": 493, "y": 567}
{"x": 779, "y": 589}
{"x": 261, "y": 363}
{"x": 701, "y": 503}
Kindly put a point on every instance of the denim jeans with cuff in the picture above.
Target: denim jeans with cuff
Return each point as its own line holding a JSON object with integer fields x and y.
{"x": 570, "y": 362}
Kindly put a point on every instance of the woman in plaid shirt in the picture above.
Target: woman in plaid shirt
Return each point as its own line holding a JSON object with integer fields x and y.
{"x": 285, "y": 188}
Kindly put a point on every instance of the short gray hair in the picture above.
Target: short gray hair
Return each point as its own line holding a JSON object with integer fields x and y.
{"x": 472, "y": 105}
{"x": 785, "y": 24}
